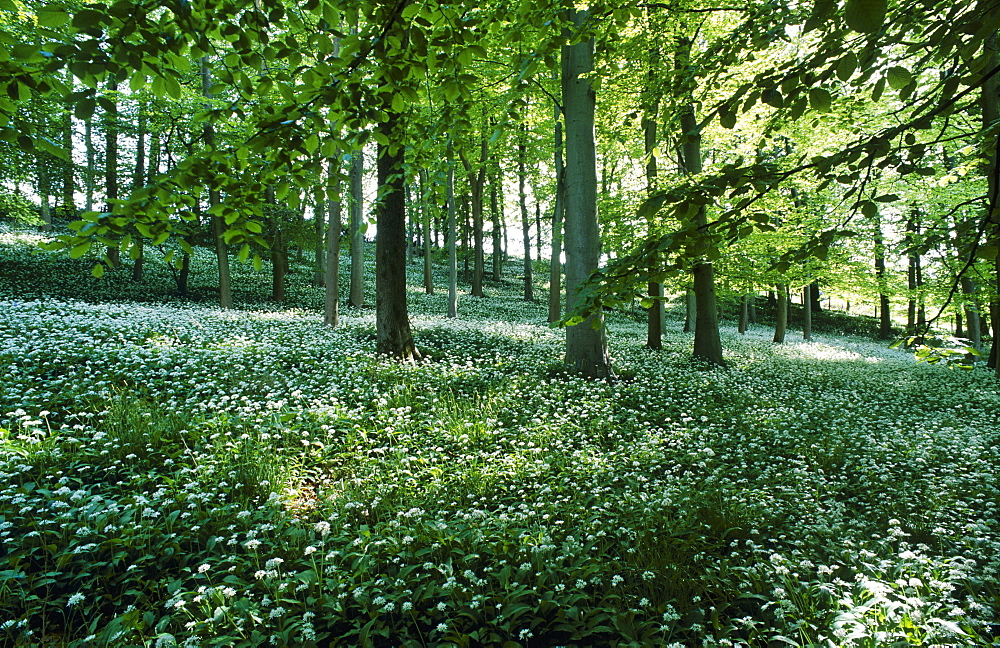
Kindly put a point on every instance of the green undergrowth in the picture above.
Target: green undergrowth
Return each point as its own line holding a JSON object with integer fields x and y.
{"x": 172, "y": 474}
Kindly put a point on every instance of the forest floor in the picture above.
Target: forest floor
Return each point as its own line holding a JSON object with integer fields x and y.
{"x": 176, "y": 474}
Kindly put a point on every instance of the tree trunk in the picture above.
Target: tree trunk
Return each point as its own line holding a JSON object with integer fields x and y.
{"x": 991, "y": 114}
{"x": 913, "y": 261}
{"x": 741, "y": 326}
{"x": 392, "y": 322}
{"x": 91, "y": 172}
{"x": 529, "y": 294}
{"x": 885, "y": 317}
{"x": 410, "y": 225}
{"x": 68, "y": 206}
{"x": 972, "y": 320}
{"x": 781, "y": 314}
{"x": 587, "y": 342}
{"x": 44, "y": 190}
{"x": 139, "y": 181}
{"x": 651, "y": 107}
{"x": 319, "y": 253}
{"x": 752, "y": 308}
{"x": 707, "y": 343}
{"x": 355, "y": 179}
{"x": 279, "y": 262}
{"x": 807, "y": 319}
{"x": 555, "y": 265}
{"x": 111, "y": 191}
{"x": 497, "y": 215}
{"x": 690, "y": 310}
{"x": 538, "y": 228}
{"x": 477, "y": 186}
{"x": 452, "y": 235}
{"x": 184, "y": 275}
{"x": 331, "y": 301}
{"x": 425, "y": 214}
{"x": 218, "y": 224}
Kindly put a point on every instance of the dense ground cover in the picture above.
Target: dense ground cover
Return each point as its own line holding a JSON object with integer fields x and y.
{"x": 173, "y": 474}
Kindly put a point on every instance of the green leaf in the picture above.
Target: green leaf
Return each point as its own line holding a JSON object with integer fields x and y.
{"x": 846, "y": 66}
{"x": 79, "y": 250}
{"x": 820, "y": 99}
{"x": 898, "y": 77}
{"x": 98, "y": 271}
{"x": 52, "y": 17}
{"x": 820, "y": 14}
{"x": 865, "y": 16}
{"x": 878, "y": 90}
{"x": 869, "y": 209}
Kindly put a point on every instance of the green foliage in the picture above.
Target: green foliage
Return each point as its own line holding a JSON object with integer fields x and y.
{"x": 952, "y": 352}
{"x": 18, "y": 209}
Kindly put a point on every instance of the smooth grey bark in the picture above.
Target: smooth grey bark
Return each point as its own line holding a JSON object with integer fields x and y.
{"x": 781, "y": 314}
{"x": 355, "y": 180}
{"x": 741, "y": 326}
{"x": 651, "y": 101}
{"x": 885, "y": 317}
{"x": 91, "y": 170}
{"x": 44, "y": 191}
{"x": 111, "y": 188}
{"x": 990, "y": 99}
{"x": 690, "y": 308}
{"x": 334, "y": 216}
{"x": 973, "y": 324}
{"x": 68, "y": 168}
{"x": 587, "y": 342}
{"x": 529, "y": 294}
{"x": 217, "y": 222}
{"x": 138, "y": 181}
{"x": 555, "y": 265}
{"x": 279, "y": 247}
{"x": 452, "y": 235}
{"x": 497, "y": 214}
{"x": 392, "y": 321}
{"x": 707, "y": 343}
{"x": 807, "y": 304}
{"x": 477, "y": 185}
{"x": 319, "y": 252}
{"x": 538, "y": 228}
{"x": 425, "y": 216}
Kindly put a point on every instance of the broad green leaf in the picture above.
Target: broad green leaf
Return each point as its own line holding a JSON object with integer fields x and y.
{"x": 98, "y": 271}
{"x": 865, "y": 16}
{"x": 172, "y": 86}
{"x": 79, "y": 250}
{"x": 53, "y": 17}
{"x": 820, "y": 99}
{"x": 898, "y": 77}
{"x": 820, "y": 14}
{"x": 846, "y": 66}
{"x": 878, "y": 90}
